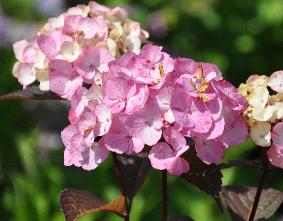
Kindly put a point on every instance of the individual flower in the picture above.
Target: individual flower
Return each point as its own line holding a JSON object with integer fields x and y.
{"x": 145, "y": 124}
{"x": 64, "y": 79}
{"x": 119, "y": 140}
{"x": 167, "y": 155}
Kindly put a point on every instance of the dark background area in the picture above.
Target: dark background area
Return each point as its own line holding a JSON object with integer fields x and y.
{"x": 241, "y": 37}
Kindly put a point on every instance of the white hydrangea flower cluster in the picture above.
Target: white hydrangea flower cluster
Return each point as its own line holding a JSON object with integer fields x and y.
{"x": 265, "y": 113}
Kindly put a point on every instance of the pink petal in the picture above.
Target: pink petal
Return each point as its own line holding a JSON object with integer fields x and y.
{"x": 19, "y": 48}
{"x": 25, "y": 73}
{"x": 159, "y": 155}
{"x": 92, "y": 61}
{"x": 275, "y": 156}
{"x": 180, "y": 105}
{"x": 176, "y": 140}
{"x": 138, "y": 100}
{"x": 230, "y": 93}
{"x": 48, "y": 46}
{"x": 63, "y": 80}
{"x": 235, "y": 132}
{"x": 210, "y": 151}
{"x": 67, "y": 134}
{"x": 178, "y": 166}
{"x": 277, "y": 135}
{"x": 93, "y": 156}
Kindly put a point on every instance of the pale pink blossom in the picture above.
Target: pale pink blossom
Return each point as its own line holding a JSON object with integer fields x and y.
{"x": 120, "y": 141}
{"x": 168, "y": 155}
{"x": 63, "y": 79}
{"x": 145, "y": 124}
{"x": 92, "y": 61}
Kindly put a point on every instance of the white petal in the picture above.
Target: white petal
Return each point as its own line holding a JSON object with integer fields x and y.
{"x": 260, "y": 133}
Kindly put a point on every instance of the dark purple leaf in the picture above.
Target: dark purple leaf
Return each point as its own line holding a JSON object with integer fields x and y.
{"x": 30, "y": 93}
{"x": 135, "y": 169}
{"x": 77, "y": 203}
{"x": 206, "y": 177}
{"x": 239, "y": 201}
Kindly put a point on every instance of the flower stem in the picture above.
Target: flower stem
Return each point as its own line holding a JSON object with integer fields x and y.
{"x": 120, "y": 177}
{"x": 265, "y": 170}
{"x": 164, "y": 195}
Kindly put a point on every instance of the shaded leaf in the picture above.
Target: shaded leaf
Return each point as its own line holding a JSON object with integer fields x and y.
{"x": 181, "y": 218}
{"x": 30, "y": 93}
{"x": 239, "y": 201}
{"x": 206, "y": 177}
{"x": 134, "y": 171}
{"x": 76, "y": 203}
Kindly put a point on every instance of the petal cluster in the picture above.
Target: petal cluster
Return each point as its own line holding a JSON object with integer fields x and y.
{"x": 265, "y": 113}
{"x": 126, "y": 98}
{"x": 76, "y": 47}
{"x": 149, "y": 99}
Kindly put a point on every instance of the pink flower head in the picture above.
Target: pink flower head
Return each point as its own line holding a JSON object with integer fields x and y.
{"x": 168, "y": 155}
{"x": 120, "y": 141}
{"x": 63, "y": 78}
{"x": 145, "y": 124}
{"x": 93, "y": 61}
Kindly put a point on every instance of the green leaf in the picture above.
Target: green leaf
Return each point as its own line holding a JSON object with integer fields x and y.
{"x": 30, "y": 93}
{"x": 239, "y": 201}
{"x": 77, "y": 203}
{"x": 181, "y": 218}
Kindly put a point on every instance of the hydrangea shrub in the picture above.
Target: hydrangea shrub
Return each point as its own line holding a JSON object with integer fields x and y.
{"x": 129, "y": 97}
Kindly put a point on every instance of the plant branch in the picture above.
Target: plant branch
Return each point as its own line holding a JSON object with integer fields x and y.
{"x": 265, "y": 170}
{"x": 240, "y": 163}
{"x": 120, "y": 177}
{"x": 164, "y": 195}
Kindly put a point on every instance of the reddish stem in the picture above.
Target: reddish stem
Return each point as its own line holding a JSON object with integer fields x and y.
{"x": 164, "y": 195}
{"x": 120, "y": 177}
{"x": 265, "y": 169}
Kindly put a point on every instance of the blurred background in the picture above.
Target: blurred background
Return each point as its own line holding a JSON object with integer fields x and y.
{"x": 241, "y": 37}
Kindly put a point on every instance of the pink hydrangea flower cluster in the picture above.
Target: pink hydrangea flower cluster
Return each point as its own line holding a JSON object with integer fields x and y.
{"x": 265, "y": 113}
{"x": 124, "y": 99}
{"x": 149, "y": 99}
{"x": 75, "y": 48}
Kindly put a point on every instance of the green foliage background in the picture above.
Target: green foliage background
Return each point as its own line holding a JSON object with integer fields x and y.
{"x": 241, "y": 37}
